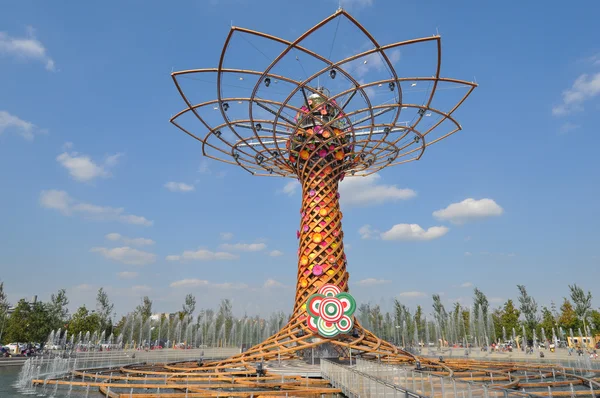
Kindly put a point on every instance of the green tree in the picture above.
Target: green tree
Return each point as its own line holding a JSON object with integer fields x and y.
{"x": 403, "y": 323}
{"x": 595, "y": 322}
{"x": 479, "y": 323}
{"x": 510, "y": 317}
{"x": 459, "y": 321}
{"x": 497, "y": 319}
{"x": 376, "y": 319}
{"x": 29, "y": 323}
{"x": 83, "y": 321}
{"x": 440, "y": 314}
{"x": 568, "y": 317}
{"x": 548, "y": 322}
{"x": 4, "y": 306}
{"x": 225, "y": 318}
{"x": 189, "y": 305}
{"x": 104, "y": 310}
{"x": 364, "y": 314}
{"x": 18, "y": 323}
{"x": 59, "y": 313}
{"x": 528, "y": 307}
{"x": 120, "y": 326}
{"x": 480, "y": 303}
{"x": 466, "y": 318}
{"x": 144, "y": 309}
{"x": 418, "y": 317}
{"x": 583, "y": 303}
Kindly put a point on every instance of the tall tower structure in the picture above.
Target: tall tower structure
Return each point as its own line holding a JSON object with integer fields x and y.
{"x": 319, "y": 138}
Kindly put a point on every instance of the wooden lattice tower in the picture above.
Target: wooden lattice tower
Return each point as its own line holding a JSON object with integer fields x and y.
{"x": 319, "y": 139}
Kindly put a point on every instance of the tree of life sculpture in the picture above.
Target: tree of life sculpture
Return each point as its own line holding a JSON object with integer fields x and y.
{"x": 319, "y": 138}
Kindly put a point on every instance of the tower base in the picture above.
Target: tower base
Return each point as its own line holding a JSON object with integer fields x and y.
{"x": 294, "y": 338}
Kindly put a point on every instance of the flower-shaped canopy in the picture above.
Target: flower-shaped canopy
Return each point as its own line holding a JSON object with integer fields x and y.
{"x": 382, "y": 121}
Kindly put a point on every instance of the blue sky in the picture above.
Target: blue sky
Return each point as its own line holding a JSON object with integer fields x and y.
{"x": 99, "y": 189}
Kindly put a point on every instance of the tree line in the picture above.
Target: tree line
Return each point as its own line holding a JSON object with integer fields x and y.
{"x": 33, "y": 322}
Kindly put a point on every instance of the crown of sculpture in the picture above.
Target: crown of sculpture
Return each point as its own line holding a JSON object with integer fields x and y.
{"x": 272, "y": 124}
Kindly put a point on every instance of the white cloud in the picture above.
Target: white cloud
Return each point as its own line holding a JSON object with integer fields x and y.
{"x": 366, "y": 232}
{"x": 568, "y": 127}
{"x": 178, "y": 186}
{"x": 272, "y": 283}
{"x": 229, "y": 285}
{"x": 366, "y": 191}
{"x": 201, "y": 255}
{"x": 61, "y": 201}
{"x": 204, "y": 168}
{"x": 375, "y": 62}
{"x": 82, "y": 168}
{"x": 290, "y": 187}
{"x": 226, "y": 235}
{"x": 126, "y": 255}
{"x": 127, "y": 275}
{"x": 593, "y": 60}
{"x": 275, "y": 253}
{"x": 189, "y": 283}
{"x": 140, "y": 289}
{"x": 372, "y": 282}
{"x": 412, "y": 294}
{"x": 413, "y": 232}
{"x": 496, "y": 300}
{"x": 113, "y": 236}
{"x": 24, "y": 128}
{"x": 584, "y": 88}
{"x": 469, "y": 209}
{"x": 466, "y": 284}
{"x": 84, "y": 287}
{"x": 486, "y": 253}
{"x": 25, "y": 48}
{"x": 112, "y": 160}
{"x": 468, "y": 254}
{"x": 244, "y": 247}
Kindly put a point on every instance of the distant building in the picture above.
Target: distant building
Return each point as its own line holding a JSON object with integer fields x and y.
{"x": 12, "y": 309}
{"x": 158, "y": 316}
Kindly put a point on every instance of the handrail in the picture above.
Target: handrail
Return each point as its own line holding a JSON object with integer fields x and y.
{"x": 471, "y": 386}
{"x": 331, "y": 371}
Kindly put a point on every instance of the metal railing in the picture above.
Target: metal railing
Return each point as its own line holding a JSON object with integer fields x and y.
{"x": 424, "y": 383}
{"x": 355, "y": 384}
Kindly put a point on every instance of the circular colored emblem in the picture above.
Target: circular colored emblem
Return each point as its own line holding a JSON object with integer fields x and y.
{"x": 331, "y": 309}
{"x": 313, "y": 305}
{"x": 329, "y": 290}
{"x": 327, "y": 329}
{"x": 344, "y": 324}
